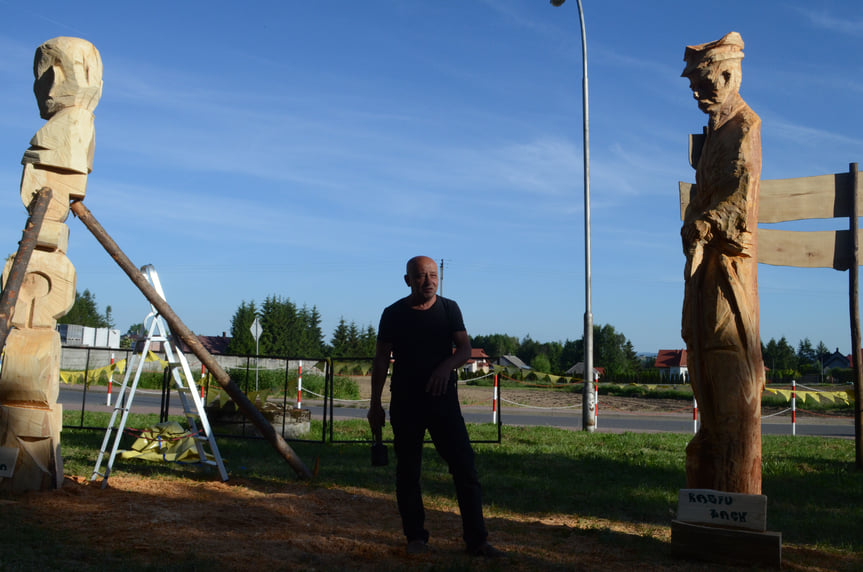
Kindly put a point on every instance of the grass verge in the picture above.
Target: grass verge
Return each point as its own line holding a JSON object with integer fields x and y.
{"x": 619, "y": 487}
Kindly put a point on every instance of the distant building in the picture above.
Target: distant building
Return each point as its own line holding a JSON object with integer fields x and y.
{"x": 578, "y": 371}
{"x": 479, "y": 361}
{"x": 672, "y": 364}
{"x": 837, "y": 360}
{"x": 512, "y": 361}
{"x": 84, "y": 336}
{"x": 215, "y": 345}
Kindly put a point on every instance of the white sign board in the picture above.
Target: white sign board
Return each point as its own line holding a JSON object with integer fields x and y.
{"x": 256, "y": 329}
{"x": 717, "y": 508}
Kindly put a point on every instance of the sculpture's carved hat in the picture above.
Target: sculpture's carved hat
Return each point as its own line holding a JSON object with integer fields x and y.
{"x": 730, "y": 46}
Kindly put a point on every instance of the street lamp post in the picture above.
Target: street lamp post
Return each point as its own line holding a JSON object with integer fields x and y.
{"x": 588, "y": 409}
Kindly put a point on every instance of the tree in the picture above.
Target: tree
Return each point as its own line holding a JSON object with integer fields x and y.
{"x": 496, "y": 345}
{"x": 281, "y": 327}
{"x": 85, "y": 312}
{"x": 611, "y": 350}
{"x": 349, "y": 342}
{"x": 109, "y": 317}
{"x": 368, "y": 342}
{"x": 779, "y": 357}
{"x": 805, "y": 352}
{"x": 242, "y": 342}
{"x": 571, "y": 353}
{"x": 340, "y": 341}
{"x": 133, "y": 330}
{"x": 311, "y": 338}
{"x": 541, "y": 363}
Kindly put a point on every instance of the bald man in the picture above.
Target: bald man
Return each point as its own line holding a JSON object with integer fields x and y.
{"x": 420, "y": 332}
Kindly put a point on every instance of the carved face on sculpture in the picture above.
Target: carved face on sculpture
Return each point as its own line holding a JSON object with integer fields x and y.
{"x": 712, "y": 85}
{"x": 68, "y": 73}
{"x": 714, "y": 71}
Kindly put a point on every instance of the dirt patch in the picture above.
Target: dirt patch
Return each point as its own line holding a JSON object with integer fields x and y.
{"x": 473, "y": 396}
{"x": 184, "y": 524}
{"x": 241, "y": 525}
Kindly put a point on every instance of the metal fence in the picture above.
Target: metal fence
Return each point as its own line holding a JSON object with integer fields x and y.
{"x": 289, "y": 391}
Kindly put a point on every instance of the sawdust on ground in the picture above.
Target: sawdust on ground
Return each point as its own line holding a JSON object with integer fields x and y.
{"x": 253, "y": 525}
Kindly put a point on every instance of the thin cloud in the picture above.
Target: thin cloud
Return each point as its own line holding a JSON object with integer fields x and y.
{"x": 825, "y": 21}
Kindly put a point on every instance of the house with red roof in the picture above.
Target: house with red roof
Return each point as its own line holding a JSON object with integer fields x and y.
{"x": 671, "y": 364}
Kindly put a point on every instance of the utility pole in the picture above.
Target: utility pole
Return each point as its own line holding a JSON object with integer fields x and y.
{"x": 441, "y": 276}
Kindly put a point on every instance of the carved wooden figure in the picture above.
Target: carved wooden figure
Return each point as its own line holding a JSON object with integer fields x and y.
{"x": 720, "y": 309}
{"x": 68, "y": 84}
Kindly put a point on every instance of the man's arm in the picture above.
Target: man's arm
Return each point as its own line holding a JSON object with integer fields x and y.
{"x": 377, "y": 416}
{"x": 439, "y": 379}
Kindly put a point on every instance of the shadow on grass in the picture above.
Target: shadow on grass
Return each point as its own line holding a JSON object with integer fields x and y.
{"x": 815, "y": 496}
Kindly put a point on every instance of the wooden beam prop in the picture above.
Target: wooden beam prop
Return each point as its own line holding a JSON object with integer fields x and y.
{"x": 179, "y": 329}
{"x": 854, "y": 303}
{"x": 9, "y": 297}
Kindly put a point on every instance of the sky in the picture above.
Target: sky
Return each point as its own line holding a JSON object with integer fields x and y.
{"x": 308, "y": 149}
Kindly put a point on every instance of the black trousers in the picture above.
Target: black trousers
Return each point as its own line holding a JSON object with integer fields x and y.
{"x": 411, "y": 415}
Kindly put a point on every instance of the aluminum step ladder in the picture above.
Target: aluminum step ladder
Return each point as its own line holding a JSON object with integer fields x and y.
{"x": 184, "y": 383}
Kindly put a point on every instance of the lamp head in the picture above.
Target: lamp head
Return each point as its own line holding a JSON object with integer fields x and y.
{"x": 557, "y": 2}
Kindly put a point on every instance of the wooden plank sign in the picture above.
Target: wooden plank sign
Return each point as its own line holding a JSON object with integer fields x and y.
{"x": 784, "y": 200}
{"x": 717, "y": 508}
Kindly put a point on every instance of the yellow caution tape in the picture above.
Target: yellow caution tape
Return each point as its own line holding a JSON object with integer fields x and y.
{"x": 845, "y": 396}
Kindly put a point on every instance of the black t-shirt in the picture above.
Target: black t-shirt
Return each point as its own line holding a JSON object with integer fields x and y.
{"x": 421, "y": 340}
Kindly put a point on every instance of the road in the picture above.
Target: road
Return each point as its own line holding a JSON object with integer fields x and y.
{"x": 148, "y": 401}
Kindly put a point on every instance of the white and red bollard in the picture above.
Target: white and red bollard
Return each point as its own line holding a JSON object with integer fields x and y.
{"x": 794, "y": 407}
{"x": 300, "y": 386}
{"x": 595, "y": 404}
{"x": 203, "y": 378}
{"x": 110, "y": 379}
{"x": 494, "y": 402}
{"x": 694, "y": 415}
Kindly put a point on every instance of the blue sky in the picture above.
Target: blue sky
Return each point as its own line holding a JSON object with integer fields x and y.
{"x": 308, "y": 149}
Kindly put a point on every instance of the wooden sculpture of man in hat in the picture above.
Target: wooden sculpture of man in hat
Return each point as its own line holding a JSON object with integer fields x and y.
{"x": 720, "y": 309}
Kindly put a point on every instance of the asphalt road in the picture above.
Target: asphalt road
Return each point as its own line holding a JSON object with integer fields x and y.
{"x": 148, "y": 401}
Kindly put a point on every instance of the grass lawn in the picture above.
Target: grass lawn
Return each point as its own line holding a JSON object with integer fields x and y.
{"x": 618, "y": 491}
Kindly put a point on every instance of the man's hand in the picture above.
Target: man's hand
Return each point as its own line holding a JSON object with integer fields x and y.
{"x": 439, "y": 381}
{"x": 377, "y": 418}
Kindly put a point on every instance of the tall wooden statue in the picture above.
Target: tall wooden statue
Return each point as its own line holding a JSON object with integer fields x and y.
{"x": 720, "y": 306}
{"x": 67, "y": 87}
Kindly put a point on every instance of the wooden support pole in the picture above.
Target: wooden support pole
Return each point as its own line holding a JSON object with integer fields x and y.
{"x": 854, "y": 290}
{"x": 179, "y": 329}
{"x": 38, "y": 207}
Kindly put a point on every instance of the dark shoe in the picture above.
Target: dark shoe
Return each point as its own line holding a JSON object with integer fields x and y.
{"x": 417, "y": 547}
{"x": 486, "y": 550}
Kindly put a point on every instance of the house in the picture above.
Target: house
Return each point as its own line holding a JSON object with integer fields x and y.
{"x": 512, "y": 361}
{"x": 479, "y": 361}
{"x": 671, "y": 364}
{"x": 578, "y": 371}
{"x": 215, "y": 345}
{"x": 837, "y": 360}
{"x": 84, "y": 336}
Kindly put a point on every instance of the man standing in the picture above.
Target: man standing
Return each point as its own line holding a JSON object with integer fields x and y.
{"x": 420, "y": 331}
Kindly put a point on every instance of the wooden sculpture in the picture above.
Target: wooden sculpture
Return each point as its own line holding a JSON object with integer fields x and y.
{"x": 720, "y": 306}
{"x": 68, "y": 85}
